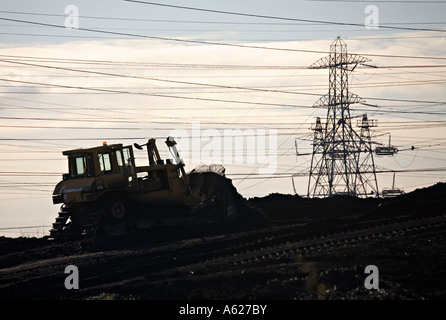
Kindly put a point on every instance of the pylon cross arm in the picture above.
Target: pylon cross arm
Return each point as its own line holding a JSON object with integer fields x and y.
{"x": 324, "y": 101}
{"x": 345, "y": 59}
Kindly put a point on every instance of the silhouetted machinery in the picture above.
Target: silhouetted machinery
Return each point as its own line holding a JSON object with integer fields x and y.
{"x": 104, "y": 190}
{"x": 386, "y": 150}
{"x": 392, "y": 192}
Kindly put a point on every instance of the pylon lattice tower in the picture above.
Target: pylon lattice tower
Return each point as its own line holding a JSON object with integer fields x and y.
{"x": 342, "y": 159}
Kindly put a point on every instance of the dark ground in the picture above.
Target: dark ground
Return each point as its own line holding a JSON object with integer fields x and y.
{"x": 306, "y": 249}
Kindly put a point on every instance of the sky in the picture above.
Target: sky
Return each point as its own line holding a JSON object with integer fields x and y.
{"x": 228, "y": 79}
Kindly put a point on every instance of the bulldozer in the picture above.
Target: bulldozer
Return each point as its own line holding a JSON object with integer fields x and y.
{"x": 104, "y": 191}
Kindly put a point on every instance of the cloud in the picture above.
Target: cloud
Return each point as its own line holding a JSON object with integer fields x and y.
{"x": 157, "y": 108}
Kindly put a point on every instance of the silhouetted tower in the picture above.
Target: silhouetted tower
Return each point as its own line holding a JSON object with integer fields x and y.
{"x": 342, "y": 160}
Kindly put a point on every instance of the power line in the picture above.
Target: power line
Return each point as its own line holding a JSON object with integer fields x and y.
{"x": 385, "y": 1}
{"x": 112, "y": 63}
{"x": 14, "y": 59}
{"x": 154, "y": 79}
{"x": 176, "y": 81}
{"x": 25, "y": 227}
{"x": 279, "y": 18}
{"x": 254, "y": 175}
{"x": 204, "y": 21}
{"x": 215, "y": 43}
{"x": 295, "y": 90}
{"x": 229, "y": 101}
{"x": 69, "y": 120}
{"x": 163, "y": 38}
{"x": 138, "y": 63}
{"x": 69, "y": 128}
{"x": 155, "y": 95}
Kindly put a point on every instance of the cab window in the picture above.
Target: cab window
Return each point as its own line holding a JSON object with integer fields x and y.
{"x": 104, "y": 162}
{"x": 120, "y": 161}
{"x": 127, "y": 156}
{"x": 78, "y": 166}
{"x": 119, "y": 158}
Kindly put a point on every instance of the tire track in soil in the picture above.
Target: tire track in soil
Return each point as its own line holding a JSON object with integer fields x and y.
{"x": 269, "y": 260}
{"x": 197, "y": 257}
{"x": 174, "y": 260}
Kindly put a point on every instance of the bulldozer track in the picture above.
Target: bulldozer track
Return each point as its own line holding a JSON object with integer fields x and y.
{"x": 60, "y": 223}
{"x": 92, "y": 225}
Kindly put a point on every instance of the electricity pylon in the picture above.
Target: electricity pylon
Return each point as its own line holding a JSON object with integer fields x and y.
{"x": 342, "y": 160}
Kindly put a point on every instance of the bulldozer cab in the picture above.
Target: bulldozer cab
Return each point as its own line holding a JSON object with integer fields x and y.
{"x": 101, "y": 161}
{"x": 92, "y": 171}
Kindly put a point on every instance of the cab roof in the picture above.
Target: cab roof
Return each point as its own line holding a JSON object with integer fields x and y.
{"x": 103, "y": 148}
